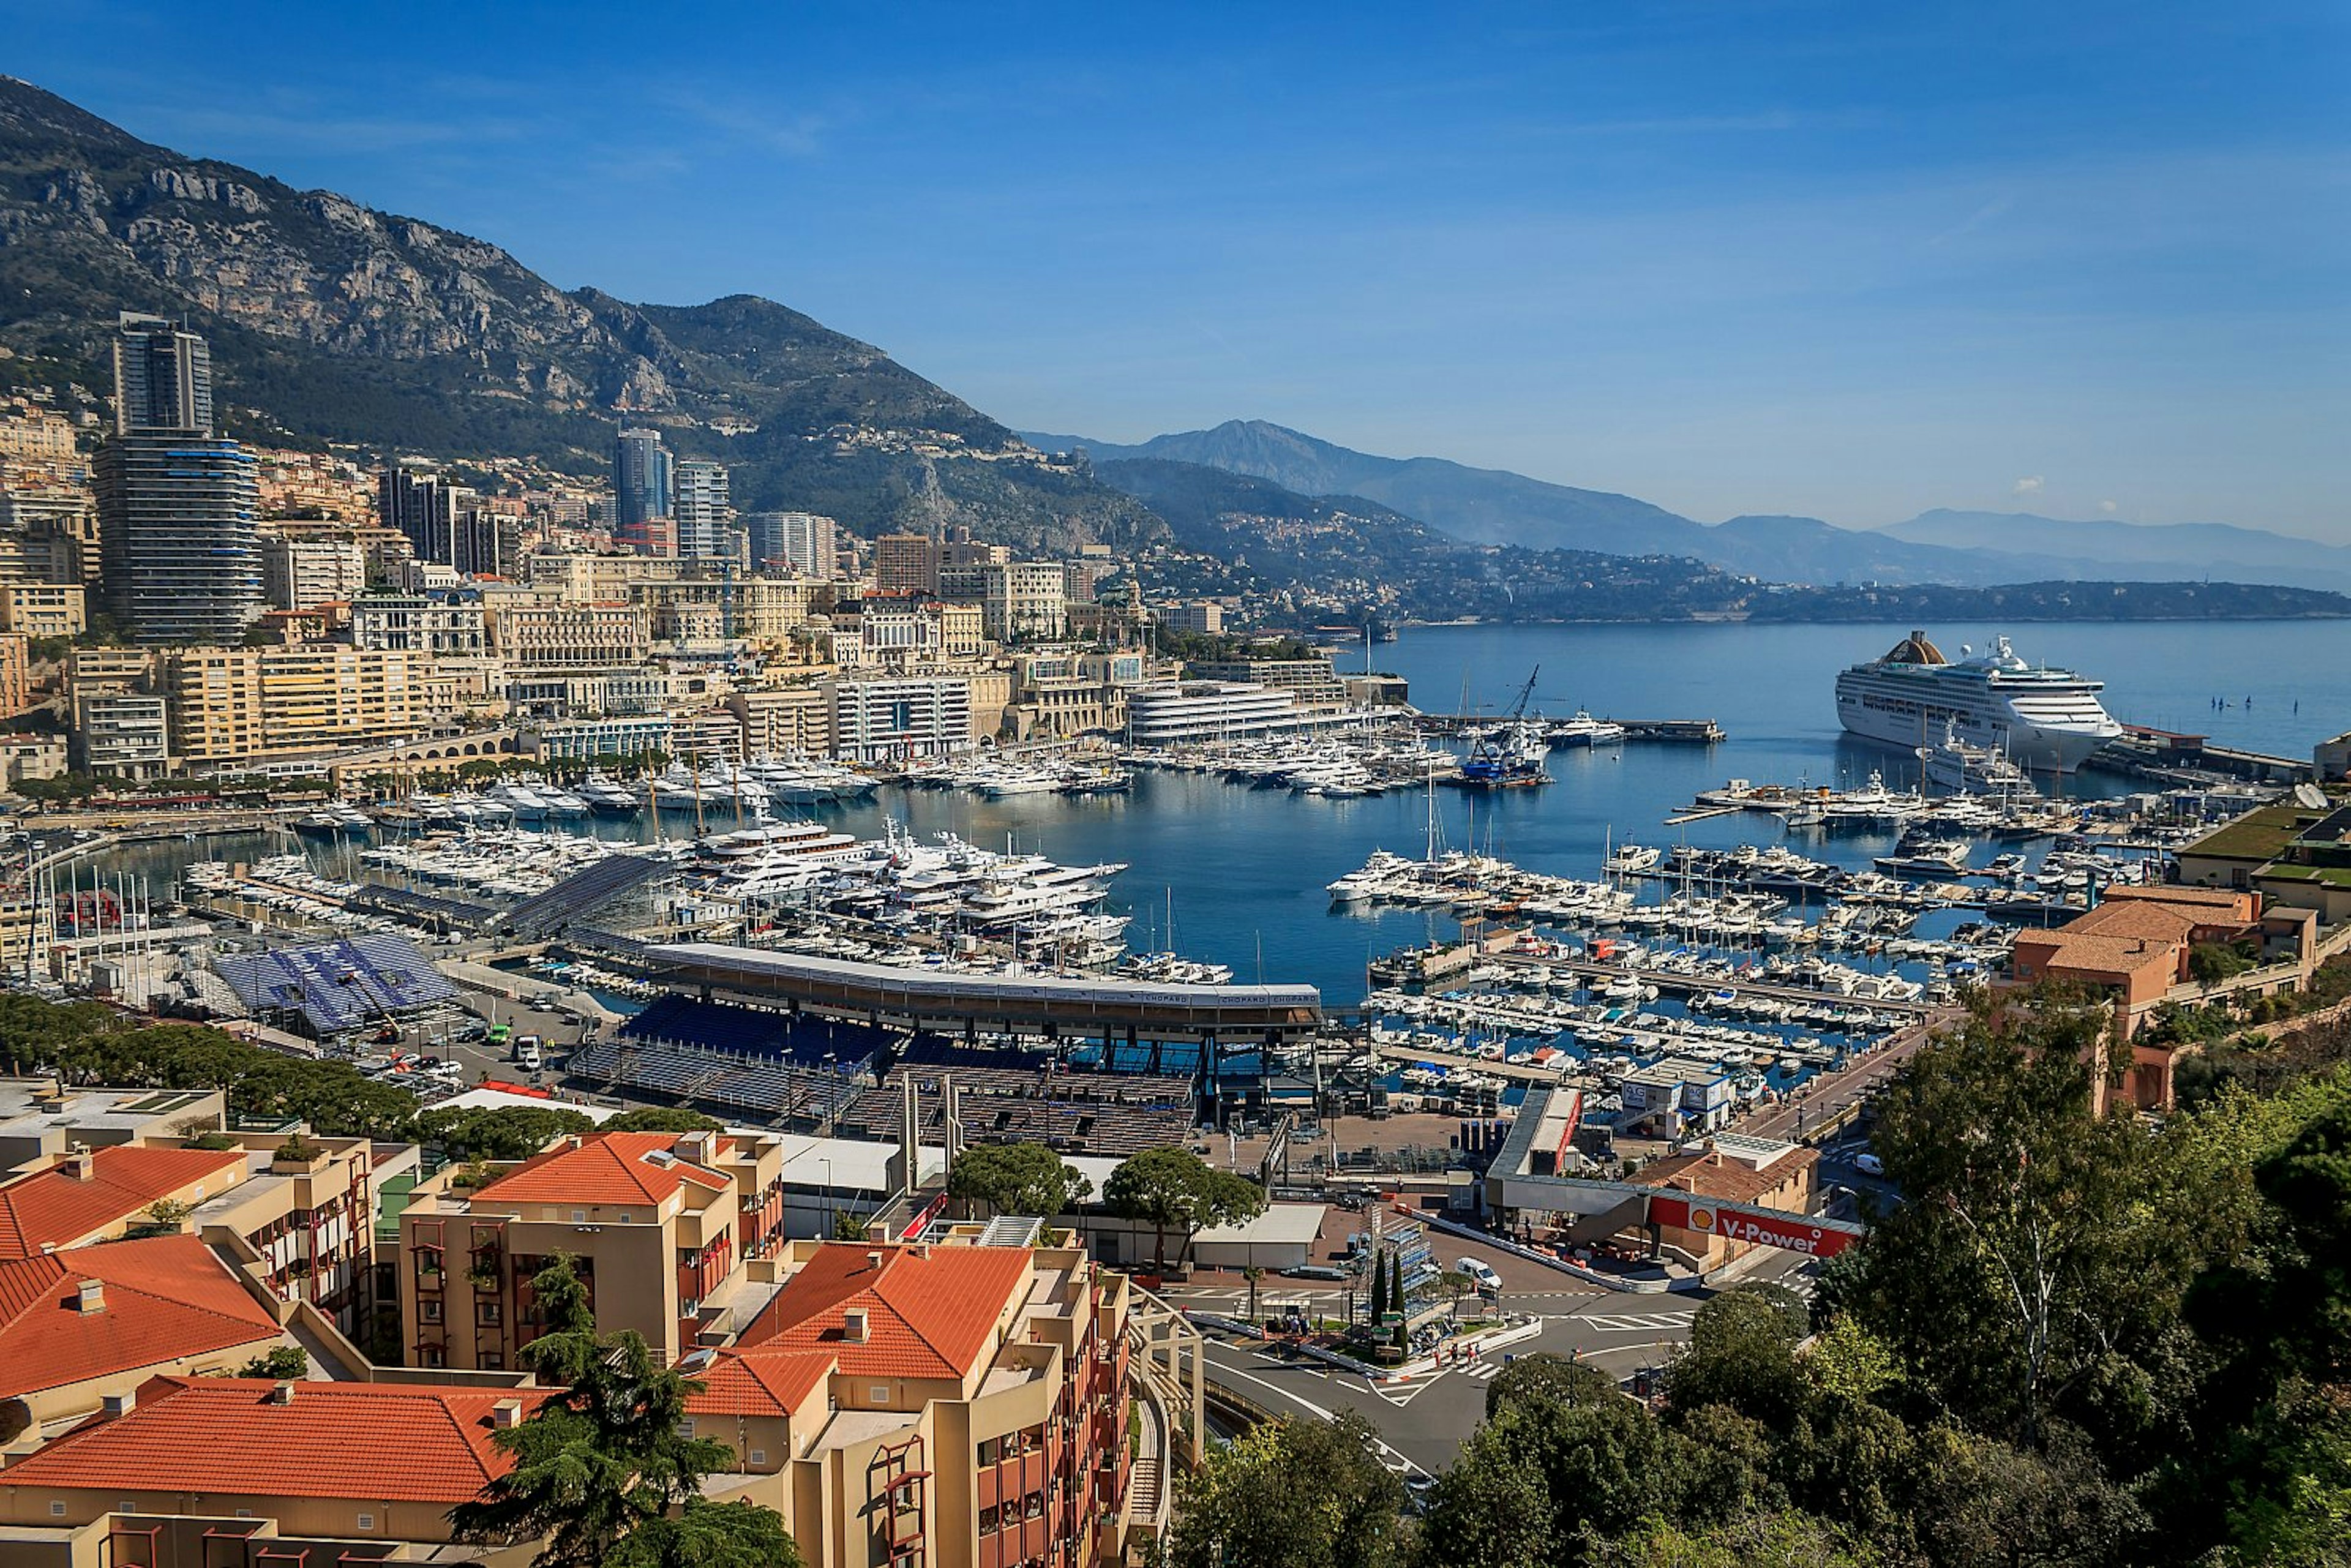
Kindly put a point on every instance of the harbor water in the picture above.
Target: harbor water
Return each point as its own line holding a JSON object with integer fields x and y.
{"x": 1241, "y": 873}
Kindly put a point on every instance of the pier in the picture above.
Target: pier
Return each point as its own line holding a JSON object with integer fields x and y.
{"x": 1674, "y": 731}
{"x": 1668, "y": 980}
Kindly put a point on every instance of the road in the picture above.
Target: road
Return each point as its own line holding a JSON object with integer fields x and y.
{"x": 1422, "y": 1423}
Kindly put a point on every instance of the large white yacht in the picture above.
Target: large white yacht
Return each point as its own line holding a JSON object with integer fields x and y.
{"x": 2041, "y": 716}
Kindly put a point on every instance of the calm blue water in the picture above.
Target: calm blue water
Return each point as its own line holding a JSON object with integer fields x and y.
{"x": 1245, "y": 871}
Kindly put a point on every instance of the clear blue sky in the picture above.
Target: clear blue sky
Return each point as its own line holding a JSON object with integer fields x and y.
{"x": 1830, "y": 257}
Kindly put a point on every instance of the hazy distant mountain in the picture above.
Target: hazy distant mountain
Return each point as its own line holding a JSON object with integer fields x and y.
{"x": 2179, "y": 550}
{"x": 1342, "y": 559}
{"x": 1484, "y": 505}
{"x": 1965, "y": 548}
{"x": 332, "y": 321}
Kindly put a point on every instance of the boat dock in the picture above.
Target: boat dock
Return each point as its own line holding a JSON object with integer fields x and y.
{"x": 1674, "y": 731}
{"x": 1688, "y": 985}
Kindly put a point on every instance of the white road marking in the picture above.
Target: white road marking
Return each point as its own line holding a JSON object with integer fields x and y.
{"x": 1628, "y": 1322}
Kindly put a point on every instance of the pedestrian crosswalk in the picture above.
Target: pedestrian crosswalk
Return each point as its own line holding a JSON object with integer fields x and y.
{"x": 1480, "y": 1370}
{"x": 1632, "y": 1322}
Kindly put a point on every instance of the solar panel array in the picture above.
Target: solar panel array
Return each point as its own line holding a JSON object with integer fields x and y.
{"x": 337, "y": 986}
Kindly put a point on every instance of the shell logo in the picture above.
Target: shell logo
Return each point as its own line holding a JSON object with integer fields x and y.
{"x": 1701, "y": 1218}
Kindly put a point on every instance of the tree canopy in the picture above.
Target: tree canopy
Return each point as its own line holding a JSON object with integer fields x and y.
{"x": 1175, "y": 1189}
{"x": 498, "y": 1132}
{"x": 1017, "y": 1179}
{"x": 602, "y": 1472}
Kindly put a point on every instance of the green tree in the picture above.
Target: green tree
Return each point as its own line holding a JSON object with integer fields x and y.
{"x": 280, "y": 1361}
{"x": 705, "y": 1534}
{"x": 602, "y": 1455}
{"x": 660, "y": 1119}
{"x": 1253, "y": 1274}
{"x": 2026, "y": 1262}
{"x": 1175, "y": 1189}
{"x": 1290, "y": 1494}
{"x": 1742, "y": 1354}
{"x": 1778, "y": 1537}
{"x": 1556, "y": 1461}
{"x": 498, "y": 1132}
{"x": 1017, "y": 1179}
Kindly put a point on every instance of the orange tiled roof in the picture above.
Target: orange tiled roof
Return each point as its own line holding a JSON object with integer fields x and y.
{"x": 55, "y": 1208}
{"x": 766, "y": 1380}
{"x": 2099, "y": 955}
{"x": 602, "y": 1168}
{"x": 164, "y": 1297}
{"x": 370, "y": 1442}
{"x": 2152, "y": 922}
{"x": 926, "y": 1316}
{"x": 1708, "y": 1175}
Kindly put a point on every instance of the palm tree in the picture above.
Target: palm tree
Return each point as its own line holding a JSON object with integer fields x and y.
{"x": 1252, "y": 1274}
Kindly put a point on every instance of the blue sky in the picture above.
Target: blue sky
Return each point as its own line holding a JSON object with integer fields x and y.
{"x": 1846, "y": 259}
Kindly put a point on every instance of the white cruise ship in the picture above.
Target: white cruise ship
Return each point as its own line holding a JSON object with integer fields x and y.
{"x": 2042, "y": 717}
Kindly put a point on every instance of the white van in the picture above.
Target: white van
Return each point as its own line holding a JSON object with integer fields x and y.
{"x": 527, "y": 1053}
{"x": 1481, "y": 1274}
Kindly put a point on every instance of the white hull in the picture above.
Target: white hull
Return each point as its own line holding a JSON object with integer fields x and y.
{"x": 2038, "y": 746}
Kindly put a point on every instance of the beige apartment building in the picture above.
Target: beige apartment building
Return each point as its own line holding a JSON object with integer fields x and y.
{"x": 1024, "y": 601}
{"x": 531, "y": 632}
{"x": 303, "y": 573}
{"x": 229, "y": 703}
{"x": 951, "y": 1405}
{"x": 660, "y": 1224}
{"x": 44, "y": 609}
{"x": 16, "y": 673}
{"x": 779, "y": 720}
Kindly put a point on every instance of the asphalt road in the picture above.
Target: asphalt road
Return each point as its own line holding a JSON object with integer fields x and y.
{"x": 1422, "y": 1423}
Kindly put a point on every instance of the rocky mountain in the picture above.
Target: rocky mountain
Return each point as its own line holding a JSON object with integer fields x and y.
{"x": 1966, "y": 549}
{"x": 332, "y": 321}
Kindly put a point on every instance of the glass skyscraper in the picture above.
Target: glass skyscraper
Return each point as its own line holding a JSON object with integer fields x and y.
{"x": 640, "y": 480}
{"x": 177, "y": 506}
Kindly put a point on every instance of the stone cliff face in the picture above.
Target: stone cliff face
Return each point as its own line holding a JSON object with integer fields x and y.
{"x": 332, "y": 321}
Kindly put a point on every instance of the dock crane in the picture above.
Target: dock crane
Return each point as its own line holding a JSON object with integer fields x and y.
{"x": 1502, "y": 761}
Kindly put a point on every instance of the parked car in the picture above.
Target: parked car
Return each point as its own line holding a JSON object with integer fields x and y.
{"x": 1313, "y": 1271}
{"x": 1868, "y": 1164}
{"x": 1481, "y": 1274}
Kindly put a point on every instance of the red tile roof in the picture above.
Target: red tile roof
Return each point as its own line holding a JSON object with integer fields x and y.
{"x": 370, "y": 1442}
{"x": 164, "y": 1299}
{"x": 766, "y": 1380}
{"x": 926, "y": 1316}
{"x": 596, "y": 1168}
{"x": 55, "y": 1208}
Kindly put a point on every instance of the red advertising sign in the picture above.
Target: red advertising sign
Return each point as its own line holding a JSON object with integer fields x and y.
{"x": 1736, "y": 1222}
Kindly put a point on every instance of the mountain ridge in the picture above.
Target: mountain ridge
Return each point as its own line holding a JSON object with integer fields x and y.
{"x": 1495, "y": 506}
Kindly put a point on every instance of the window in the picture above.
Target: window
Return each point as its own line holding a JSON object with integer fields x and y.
{"x": 881, "y": 1394}
{"x": 758, "y": 1456}
{"x": 428, "y": 1312}
{"x": 685, "y": 1427}
{"x": 57, "y": 1511}
{"x": 486, "y": 1313}
{"x": 578, "y": 1216}
{"x": 493, "y": 1362}
{"x": 367, "y": 1521}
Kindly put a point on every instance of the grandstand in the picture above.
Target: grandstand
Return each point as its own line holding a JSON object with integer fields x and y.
{"x": 383, "y": 898}
{"x": 582, "y": 892}
{"x": 343, "y": 991}
{"x": 734, "y": 1081}
{"x": 721, "y": 1027}
{"x": 1105, "y": 1128}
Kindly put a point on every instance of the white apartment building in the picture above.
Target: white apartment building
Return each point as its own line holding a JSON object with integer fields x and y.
{"x": 1024, "y": 599}
{"x": 419, "y": 624}
{"x": 878, "y": 720}
{"x": 798, "y": 543}
{"x": 302, "y": 574}
{"x": 533, "y": 633}
{"x": 1206, "y": 710}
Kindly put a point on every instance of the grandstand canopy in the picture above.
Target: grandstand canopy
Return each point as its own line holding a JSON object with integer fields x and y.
{"x": 339, "y": 987}
{"x": 758, "y": 1032}
{"x": 1078, "y": 1007}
